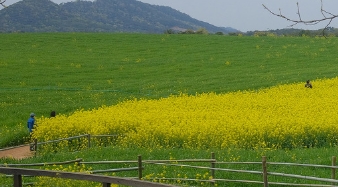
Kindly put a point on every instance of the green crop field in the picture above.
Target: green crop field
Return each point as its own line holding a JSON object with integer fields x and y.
{"x": 65, "y": 72}
{"x": 69, "y": 71}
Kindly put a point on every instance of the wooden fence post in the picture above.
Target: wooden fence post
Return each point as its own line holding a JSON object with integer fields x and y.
{"x": 88, "y": 136}
{"x": 139, "y": 167}
{"x": 17, "y": 180}
{"x": 333, "y": 171}
{"x": 35, "y": 146}
{"x": 105, "y": 184}
{"x": 212, "y": 171}
{"x": 265, "y": 172}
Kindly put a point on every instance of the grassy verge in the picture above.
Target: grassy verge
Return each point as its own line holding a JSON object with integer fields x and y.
{"x": 316, "y": 156}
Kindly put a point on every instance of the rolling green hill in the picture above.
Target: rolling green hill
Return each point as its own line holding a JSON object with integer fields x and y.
{"x": 97, "y": 16}
{"x": 69, "y": 71}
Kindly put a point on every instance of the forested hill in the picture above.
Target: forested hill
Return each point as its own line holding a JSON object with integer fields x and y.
{"x": 97, "y": 16}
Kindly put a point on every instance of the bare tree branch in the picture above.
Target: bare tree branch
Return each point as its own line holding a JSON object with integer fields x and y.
{"x": 327, "y": 16}
{"x": 2, "y": 3}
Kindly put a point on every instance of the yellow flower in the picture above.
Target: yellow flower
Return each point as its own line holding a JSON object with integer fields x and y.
{"x": 283, "y": 116}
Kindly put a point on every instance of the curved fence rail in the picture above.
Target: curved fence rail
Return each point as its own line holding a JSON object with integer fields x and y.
{"x": 35, "y": 146}
{"x": 105, "y": 180}
{"x": 263, "y": 173}
{"x": 18, "y": 173}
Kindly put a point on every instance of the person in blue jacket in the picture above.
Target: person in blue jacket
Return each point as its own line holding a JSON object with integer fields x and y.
{"x": 31, "y": 122}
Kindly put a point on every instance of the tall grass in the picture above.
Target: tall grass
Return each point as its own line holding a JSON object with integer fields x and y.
{"x": 68, "y": 71}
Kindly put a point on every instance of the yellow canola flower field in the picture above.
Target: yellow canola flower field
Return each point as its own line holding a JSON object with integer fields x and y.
{"x": 283, "y": 116}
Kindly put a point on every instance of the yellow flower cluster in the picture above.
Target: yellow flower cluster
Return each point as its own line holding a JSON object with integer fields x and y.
{"x": 49, "y": 181}
{"x": 283, "y": 116}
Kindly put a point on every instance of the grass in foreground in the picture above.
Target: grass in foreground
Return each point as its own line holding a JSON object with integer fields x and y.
{"x": 318, "y": 156}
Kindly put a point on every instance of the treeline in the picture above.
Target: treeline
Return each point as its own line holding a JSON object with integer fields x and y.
{"x": 328, "y": 32}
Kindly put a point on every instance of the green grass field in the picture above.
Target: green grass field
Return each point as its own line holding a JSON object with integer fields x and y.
{"x": 69, "y": 71}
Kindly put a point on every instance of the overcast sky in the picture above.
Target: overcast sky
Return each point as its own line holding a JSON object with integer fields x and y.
{"x": 247, "y": 15}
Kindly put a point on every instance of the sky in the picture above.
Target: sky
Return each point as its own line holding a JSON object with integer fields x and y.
{"x": 248, "y": 15}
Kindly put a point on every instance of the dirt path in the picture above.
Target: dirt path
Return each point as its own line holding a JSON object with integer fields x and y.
{"x": 17, "y": 153}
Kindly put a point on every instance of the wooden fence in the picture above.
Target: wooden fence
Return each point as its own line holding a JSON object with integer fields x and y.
{"x": 105, "y": 180}
{"x": 264, "y": 173}
{"x": 89, "y": 138}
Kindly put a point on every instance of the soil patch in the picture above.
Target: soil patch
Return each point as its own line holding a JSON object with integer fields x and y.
{"x": 17, "y": 153}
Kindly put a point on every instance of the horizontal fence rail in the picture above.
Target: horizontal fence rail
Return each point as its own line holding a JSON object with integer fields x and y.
{"x": 303, "y": 177}
{"x": 42, "y": 164}
{"x": 115, "y": 170}
{"x": 36, "y": 143}
{"x": 303, "y": 165}
{"x": 8, "y": 148}
{"x": 105, "y": 180}
{"x": 63, "y": 139}
{"x": 264, "y": 171}
{"x": 140, "y": 167}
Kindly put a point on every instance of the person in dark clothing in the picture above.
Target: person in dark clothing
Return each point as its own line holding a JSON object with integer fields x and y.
{"x": 30, "y": 125}
{"x": 308, "y": 84}
{"x": 52, "y": 114}
{"x": 31, "y": 122}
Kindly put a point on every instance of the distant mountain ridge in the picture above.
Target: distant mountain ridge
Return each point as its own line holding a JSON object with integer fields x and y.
{"x": 97, "y": 16}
